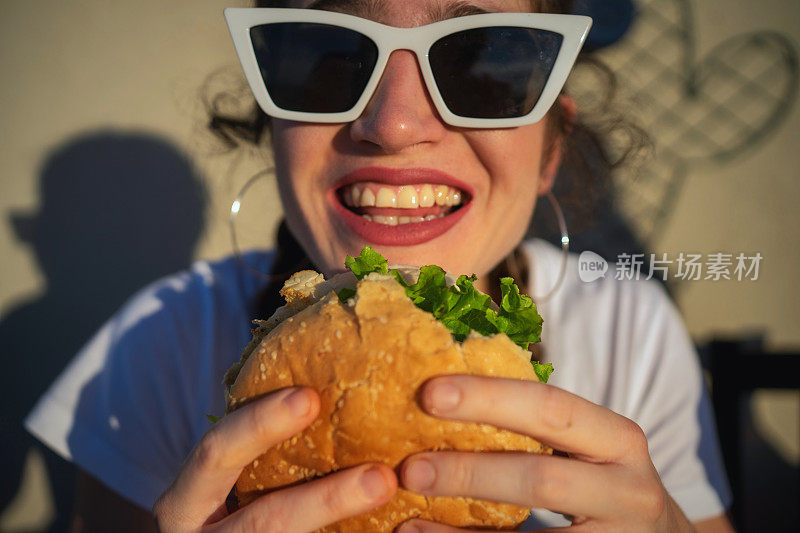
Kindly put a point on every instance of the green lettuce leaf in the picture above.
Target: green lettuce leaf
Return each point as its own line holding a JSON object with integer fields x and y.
{"x": 345, "y": 294}
{"x": 543, "y": 371}
{"x": 368, "y": 261}
{"x": 213, "y": 418}
{"x": 461, "y": 307}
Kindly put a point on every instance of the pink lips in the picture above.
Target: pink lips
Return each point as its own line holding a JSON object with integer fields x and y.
{"x": 405, "y": 234}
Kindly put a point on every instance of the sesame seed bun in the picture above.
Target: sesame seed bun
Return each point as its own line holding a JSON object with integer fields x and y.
{"x": 367, "y": 358}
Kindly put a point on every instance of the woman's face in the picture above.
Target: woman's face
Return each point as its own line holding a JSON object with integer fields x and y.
{"x": 401, "y": 140}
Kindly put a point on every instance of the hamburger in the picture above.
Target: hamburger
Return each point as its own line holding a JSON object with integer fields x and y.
{"x": 366, "y": 340}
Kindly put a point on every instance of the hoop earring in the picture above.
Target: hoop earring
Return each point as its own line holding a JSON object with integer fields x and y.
{"x": 562, "y": 227}
{"x": 236, "y": 206}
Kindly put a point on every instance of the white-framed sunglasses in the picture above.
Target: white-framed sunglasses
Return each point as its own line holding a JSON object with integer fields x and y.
{"x": 492, "y": 70}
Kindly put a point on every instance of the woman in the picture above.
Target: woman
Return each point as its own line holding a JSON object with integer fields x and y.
{"x": 138, "y": 391}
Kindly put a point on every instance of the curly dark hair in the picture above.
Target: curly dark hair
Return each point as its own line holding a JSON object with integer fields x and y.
{"x": 584, "y": 181}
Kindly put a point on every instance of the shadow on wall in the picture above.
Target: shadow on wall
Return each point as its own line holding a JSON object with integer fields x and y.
{"x": 118, "y": 210}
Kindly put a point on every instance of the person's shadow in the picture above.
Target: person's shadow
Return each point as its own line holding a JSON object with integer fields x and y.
{"x": 118, "y": 210}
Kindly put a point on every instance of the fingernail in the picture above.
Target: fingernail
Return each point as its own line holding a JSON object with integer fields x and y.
{"x": 408, "y": 528}
{"x": 419, "y": 475}
{"x": 373, "y": 483}
{"x": 298, "y": 402}
{"x": 444, "y": 397}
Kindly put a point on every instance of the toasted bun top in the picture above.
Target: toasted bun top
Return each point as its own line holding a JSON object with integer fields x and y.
{"x": 367, "y": 359}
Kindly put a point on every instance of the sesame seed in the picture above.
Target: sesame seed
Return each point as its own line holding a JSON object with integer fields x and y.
{"x": 338, "y": 334}
{"x": 252, "y": 475}
{"x": 260, "y": 486}
{"x": 255, "y": 463}
{"x": 282, "y": 375}
{"x": 262, "y": 367}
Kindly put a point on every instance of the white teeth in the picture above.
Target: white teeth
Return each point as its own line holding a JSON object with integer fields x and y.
{"x": 426, "y": 198}
{"x": 397, "y": 221}
{"x": 354, "y": 195}
{"x": 367, "y": 198}
{"x": 441, "y": 195}
{"x": 385, "y": 198}
{"x": 407, "y": 197}
{"x": 403, "y": 197}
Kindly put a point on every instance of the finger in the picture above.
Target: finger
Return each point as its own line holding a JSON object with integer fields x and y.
{"x": 545, "y": 412}
{"x": 212, "y": 467}
{"x": 528, "y": 480}
{"x": 313, "y": 505}
{"x": 425, "y": 526}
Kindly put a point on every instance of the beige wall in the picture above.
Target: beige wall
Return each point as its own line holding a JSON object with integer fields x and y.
{"x": 749, "y": 204}
{"x": 139, "y": 67}
{"x": 74, "y": 67}
{"x": 77, "y": 67}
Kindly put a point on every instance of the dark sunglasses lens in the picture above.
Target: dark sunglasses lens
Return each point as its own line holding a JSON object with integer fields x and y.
{"x": 313, "y": 68}
{"x": 496, "y": 72}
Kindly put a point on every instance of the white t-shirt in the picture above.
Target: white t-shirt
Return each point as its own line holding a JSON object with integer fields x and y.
{"x": 132, "y": 403}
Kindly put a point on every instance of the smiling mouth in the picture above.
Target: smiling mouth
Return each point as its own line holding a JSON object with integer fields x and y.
{"x": 395, "y": 205}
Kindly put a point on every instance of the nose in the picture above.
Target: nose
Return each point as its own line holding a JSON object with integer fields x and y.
{"x": 400, "y": 113}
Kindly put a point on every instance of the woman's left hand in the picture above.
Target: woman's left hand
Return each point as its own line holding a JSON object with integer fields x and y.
{"x": 608, "y": 482}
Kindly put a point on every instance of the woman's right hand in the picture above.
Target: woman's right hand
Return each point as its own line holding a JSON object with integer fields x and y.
{"x": 195, "y": 501}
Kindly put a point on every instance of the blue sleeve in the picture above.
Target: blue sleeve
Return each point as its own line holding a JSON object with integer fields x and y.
{"x": 132, "y": 403}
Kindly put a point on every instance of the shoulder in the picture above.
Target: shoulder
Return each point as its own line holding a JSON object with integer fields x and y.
{"x": 186, "y": 324}
{"x": 599, "y": 298}
{"x": 132, "y": 402}
{"x": 205, "y": 286}
{"x": 605, "y": 334}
